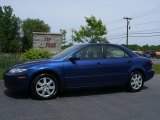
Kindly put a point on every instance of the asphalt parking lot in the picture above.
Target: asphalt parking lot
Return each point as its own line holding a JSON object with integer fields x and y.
{"x": 91, "y": 104}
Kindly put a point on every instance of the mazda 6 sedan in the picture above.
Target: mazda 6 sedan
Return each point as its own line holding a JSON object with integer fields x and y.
{"x": 81, "y": 66}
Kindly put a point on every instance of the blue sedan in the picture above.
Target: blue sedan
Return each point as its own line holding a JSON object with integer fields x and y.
{"x": 81, "y": 66}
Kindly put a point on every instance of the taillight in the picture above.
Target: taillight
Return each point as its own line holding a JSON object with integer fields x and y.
{"x": 151, "y": 62}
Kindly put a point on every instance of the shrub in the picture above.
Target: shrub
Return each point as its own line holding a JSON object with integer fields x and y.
{"x": 35, "y": 54}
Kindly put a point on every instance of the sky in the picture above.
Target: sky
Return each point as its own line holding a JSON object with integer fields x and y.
{"x": 70, "y": 14}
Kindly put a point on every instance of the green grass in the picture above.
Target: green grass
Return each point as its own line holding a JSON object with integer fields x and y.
{"x": 1, "y": 74}
{"x": 7, "y": 60}
{"x": 156, "y": 68}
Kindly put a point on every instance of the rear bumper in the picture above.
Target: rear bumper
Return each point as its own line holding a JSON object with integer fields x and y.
{"x": 149, "y": 75}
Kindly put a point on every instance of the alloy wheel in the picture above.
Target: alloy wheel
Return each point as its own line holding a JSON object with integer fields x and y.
{"x": 136, "y": 81}
{"x": 45, "y": 87}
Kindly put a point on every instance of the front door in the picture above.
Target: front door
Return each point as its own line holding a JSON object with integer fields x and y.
{"x": 84, "y": 72}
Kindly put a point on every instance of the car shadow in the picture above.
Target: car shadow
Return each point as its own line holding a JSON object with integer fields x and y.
{"x": 144, "y": 87}
{"x": 16, "y": 95}
{"x": 93, "y": 91}
{"x": 71, "y": 92}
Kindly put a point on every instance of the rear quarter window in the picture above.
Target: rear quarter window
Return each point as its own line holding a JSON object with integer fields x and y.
{"x": 115, "y": 52}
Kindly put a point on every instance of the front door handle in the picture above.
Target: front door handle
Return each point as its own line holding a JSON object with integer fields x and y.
{"x": 98, "y": 63}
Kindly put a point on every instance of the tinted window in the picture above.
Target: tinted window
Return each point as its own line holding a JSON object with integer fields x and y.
{"x": 90, "y": 53}
{"x": 114, "y": 52}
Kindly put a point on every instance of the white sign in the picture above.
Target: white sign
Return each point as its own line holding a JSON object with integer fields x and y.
{"x": 47, "y": 41}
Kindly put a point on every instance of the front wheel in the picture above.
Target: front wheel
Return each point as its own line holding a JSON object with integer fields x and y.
{"x": 136, "y": 81}
{"x": 44, "y": 86}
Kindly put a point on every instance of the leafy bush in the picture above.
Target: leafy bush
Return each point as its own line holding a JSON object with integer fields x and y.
{"x": 7, "y": 60}
{"x": 34, "y": 54}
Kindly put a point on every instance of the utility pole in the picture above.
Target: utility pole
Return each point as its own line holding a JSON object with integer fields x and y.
{"x": 127, "y": 28}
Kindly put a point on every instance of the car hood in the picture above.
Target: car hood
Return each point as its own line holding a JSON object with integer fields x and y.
{"x": 34, "y": 63}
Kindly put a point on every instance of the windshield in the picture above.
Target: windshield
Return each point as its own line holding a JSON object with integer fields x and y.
{"x": 65, "y": 52}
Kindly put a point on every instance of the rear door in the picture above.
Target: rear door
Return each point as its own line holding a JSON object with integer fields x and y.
{"x": 115, "y": 65}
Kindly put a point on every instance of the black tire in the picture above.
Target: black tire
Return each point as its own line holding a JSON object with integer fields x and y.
{"x": 135, "y": 81}
{"x": 44, "y": 86}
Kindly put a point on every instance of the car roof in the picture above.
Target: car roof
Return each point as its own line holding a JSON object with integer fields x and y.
{"x": 88, "y": 44}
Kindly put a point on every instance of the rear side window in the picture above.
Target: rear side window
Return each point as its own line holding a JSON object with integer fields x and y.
{"x": 91, "y": 53}
{"x": 114, "y": 52}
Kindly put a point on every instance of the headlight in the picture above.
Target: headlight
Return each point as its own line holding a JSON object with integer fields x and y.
{"x": 17, "y": 70}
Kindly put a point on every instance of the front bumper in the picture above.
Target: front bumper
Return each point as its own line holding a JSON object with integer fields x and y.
{"x": 12, "y": 82}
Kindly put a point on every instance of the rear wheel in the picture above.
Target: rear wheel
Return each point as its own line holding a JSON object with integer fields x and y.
{"x": 136, "y": 81}
{"x": 44, "y": 86}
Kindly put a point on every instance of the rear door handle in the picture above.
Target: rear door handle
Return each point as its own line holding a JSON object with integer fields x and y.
{"x": 99, "y": 64}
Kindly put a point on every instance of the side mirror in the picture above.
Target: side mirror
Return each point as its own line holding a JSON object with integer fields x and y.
{"x": 74, "y": 58}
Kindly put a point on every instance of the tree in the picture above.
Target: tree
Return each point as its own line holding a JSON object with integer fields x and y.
{"x": 133, "y": 47}
{"x": 145, "y": 47}
{"x": 63, "y": 33}
{"x": 93, "y": 32}
{"x": 28, "y": 27}
{"x": 9, "y": 30}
